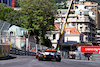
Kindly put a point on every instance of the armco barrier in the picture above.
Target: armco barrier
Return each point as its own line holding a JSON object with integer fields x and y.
{"x": 4, "y": 50}
{"x": 21, "y": 52}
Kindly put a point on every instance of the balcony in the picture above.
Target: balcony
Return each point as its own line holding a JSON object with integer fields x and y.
{"x": 94, "y": 41}
{"x": 88, "y": 31}
{"x": 77, "y": 20}
{"x": 93, "y": 23}
{"x": 59, "y": 20}
{"x": 93, "y": 32}
{"x": 97, "y": 35}
{"x": 98, "y": 41}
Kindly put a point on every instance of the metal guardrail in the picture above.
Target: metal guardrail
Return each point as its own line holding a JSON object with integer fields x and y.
{"x": 21, "y": 52}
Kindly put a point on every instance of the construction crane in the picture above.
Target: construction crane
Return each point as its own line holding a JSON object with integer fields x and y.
{"x": 63, "y": 26}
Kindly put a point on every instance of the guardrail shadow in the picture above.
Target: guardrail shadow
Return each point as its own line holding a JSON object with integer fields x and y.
{"x": 8, "y": 58}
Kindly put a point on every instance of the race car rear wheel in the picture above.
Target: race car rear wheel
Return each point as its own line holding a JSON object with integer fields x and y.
{"x": 58, "y": 58}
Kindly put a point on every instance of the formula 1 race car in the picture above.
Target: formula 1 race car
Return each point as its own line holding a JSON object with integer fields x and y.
{"x": 49, "y": 55}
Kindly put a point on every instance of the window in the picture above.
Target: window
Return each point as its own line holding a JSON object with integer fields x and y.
{"x": 54, "y": 36}
{"x": 5, "y": 1}
{"x": 67, "y": 24}
{"x": 80, "y": 18}
{"x": 73, "y": 24}
{"x": 85, "y": 18}
{"x": 68, "y": 31}
{"x": 74, "y": 31}
{"x": 76, "y": 7}
{"x": 86, "y": 38}
{"x": 80, "y": 13}
{"x": 85, "y": 23}
{"x": 80, "y": 23}
{"x": 56, "y": 19}
{"x": 86, "y": 28}
{"x": 80, "y": 28}
{"x": 11, "y": 33}
{"x": 86, "y": 15}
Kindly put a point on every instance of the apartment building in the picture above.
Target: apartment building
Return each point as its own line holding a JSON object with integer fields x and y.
{"x": 83, "y": 19}
{"x": 98, "y": 37}
{"x": 98, "y": 31}
{"x": 11, "y": 3}
{"x": 94, "y": 7}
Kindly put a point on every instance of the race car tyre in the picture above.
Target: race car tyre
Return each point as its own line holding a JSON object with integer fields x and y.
{"x": 40, "y": 57}
{"x": 36, "y": 56}
{"x": 58, "y": 58}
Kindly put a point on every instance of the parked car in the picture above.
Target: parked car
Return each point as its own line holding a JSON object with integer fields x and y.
{"x": 50, "y": 55}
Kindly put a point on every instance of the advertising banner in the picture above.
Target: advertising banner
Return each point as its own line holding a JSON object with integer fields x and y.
{"x": 90, "y": 49}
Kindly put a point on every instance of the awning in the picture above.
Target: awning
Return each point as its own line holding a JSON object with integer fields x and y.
{"x": 80, "y": 44}
{"x": 67, "y": 44}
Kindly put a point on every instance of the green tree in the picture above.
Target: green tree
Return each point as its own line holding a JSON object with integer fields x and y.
{"x": 4, "y": 11}
{"x": 35, "y": 15}
{"x": 16, "y": 18}
{"x": 2, "y": 5}
{"x": 47, "y": 43}
{"x": 40, "y": 15}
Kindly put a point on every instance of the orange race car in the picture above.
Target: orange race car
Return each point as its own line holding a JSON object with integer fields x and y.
{"x": 50, "y": 54}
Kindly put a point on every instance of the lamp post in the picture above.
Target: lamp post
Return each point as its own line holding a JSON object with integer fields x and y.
{"x": 0, "y": 36}
{"x": 26, "y": 41}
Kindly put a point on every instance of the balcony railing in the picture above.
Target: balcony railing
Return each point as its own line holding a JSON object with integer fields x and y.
{"x": 77, "y": 20}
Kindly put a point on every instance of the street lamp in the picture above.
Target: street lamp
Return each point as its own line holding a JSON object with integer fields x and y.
{"x": 26, "y": 39}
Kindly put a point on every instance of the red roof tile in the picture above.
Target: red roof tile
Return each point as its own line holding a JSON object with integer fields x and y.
{"x": 56, "y": 26}
{"x": 72, "y": 30}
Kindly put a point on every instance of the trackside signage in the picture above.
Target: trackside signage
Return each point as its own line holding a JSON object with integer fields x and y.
{"x": 90, "y": 49}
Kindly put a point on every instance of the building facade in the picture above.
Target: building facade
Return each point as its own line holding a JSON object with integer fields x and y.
{"x": 18, "y": 39}
{"x": 82, "y": 19}
{"x": 94, "y": 9}
{"x": 10, "y": 3}
{"x": 98, "y": 37}
{"x": 72, "y": 34}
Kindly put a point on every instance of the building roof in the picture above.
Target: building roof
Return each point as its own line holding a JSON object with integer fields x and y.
{"x": 56, "y": 26}
{"x": 72, "y": 30}
{"x": 18, "y": 31}
{"x": 4, "y": 25}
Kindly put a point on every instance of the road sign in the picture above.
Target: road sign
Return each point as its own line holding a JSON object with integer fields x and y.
{"x": 90, "y": 49}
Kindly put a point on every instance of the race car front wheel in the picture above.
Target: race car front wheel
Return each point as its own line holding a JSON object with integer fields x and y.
{"x": 40, "y": 57}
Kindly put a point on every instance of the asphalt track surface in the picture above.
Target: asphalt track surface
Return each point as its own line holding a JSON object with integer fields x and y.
{"x": 30, "y": 61}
